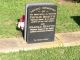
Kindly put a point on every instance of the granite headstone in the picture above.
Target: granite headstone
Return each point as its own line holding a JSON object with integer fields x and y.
{"x": 40, "y": 22}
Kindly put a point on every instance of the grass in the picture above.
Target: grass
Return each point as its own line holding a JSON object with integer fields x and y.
{"x": 60, "y": 53}
{"x": 64, "y": 21}
{"x": 11, "y": 10}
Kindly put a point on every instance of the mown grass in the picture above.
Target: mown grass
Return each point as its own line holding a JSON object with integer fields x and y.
{"x": 61, "y": 53}
{"x": 65, "y": 22}
{"x": 11, "y": 10}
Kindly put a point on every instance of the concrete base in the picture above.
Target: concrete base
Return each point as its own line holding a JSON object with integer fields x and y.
{"x": 61, "y": 40}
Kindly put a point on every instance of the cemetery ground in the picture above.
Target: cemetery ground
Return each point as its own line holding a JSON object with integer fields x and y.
{"x": 68, "y": 17}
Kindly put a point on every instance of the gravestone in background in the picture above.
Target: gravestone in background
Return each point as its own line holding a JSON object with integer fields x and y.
{"x": 40, "y": 22}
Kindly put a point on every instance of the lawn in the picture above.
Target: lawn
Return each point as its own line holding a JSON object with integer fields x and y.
{"x": 11, "y": 10}
{"x": 60, "y": 53}
{"x": 68, "y": 20}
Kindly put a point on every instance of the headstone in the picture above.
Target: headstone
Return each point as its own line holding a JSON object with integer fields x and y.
{"x": 40, "y": 22}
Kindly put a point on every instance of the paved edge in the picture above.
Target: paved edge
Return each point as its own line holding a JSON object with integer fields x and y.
{"x": 57, "y": 43}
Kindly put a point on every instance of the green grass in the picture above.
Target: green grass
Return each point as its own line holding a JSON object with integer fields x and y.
{"x": 64, "y": 21}
{"x": 60, "y": 53}
{"x": 11, "y": 10}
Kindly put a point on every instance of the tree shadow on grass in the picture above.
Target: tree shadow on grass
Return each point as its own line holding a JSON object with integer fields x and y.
{"x": 22, "y": 31}
{"x": 78, "y": 1}
{"x": 74, "y": 1}
{"x": 76, "y": 19}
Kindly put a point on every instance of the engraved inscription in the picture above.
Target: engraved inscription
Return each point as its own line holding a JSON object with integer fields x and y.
{"x": 45, "y": 39}
{"x": 42, "y": 28}
{"x": 44, "y": 20}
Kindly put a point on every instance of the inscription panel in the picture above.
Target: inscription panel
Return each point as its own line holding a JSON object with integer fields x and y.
{"x": 41, "y": 23}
